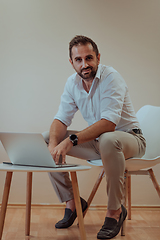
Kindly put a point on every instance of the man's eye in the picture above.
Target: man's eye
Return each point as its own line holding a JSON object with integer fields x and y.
{"x": 78, "y": 60}
{"x": 89, "y": 58}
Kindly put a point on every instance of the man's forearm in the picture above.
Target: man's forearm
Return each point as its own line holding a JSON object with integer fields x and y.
{"x": 57, "y": 132}
{"x": 95, "y": 130}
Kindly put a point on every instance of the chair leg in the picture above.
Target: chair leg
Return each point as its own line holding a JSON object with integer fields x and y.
{"x": 154, "y": 180}
{"x": 94, "y": 190}
{"x": 129, "y": 197}
{"x": 124, "y": 200}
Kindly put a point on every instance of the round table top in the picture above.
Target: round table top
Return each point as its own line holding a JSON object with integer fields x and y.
{"x": 17, "y": 168}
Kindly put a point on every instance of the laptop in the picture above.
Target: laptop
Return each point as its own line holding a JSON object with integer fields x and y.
{"x": 28, "y": 149}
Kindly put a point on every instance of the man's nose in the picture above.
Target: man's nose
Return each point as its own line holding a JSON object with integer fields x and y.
{"x": 84, "y": 64}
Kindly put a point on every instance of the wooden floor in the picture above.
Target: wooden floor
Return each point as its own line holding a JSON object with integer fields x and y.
{"x": 145, "y": 225}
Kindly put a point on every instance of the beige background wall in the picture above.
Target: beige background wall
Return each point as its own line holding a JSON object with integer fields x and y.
{"x": 34, "y": 66}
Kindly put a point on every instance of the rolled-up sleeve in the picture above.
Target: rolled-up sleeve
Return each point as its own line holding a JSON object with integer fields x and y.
{"x": 113, "y": 91}
{"x": 67, "y": 107}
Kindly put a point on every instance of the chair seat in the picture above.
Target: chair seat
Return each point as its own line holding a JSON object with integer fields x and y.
{"x": 135, "y": 164}
{"x": 132, "y": 164}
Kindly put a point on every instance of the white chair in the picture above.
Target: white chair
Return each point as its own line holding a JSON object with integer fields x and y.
{"x": 149, "y": 119}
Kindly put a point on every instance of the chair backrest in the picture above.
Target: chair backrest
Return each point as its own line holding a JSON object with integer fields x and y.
{"x": 149, "y": 119}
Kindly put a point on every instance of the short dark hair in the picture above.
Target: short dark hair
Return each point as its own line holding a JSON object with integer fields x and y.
{"x": 82, "y": 40}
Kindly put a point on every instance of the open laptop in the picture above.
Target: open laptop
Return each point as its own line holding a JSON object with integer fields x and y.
{"x": 28, "y": 149}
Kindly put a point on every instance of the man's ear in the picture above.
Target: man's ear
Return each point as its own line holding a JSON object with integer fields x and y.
{"x": 71, "y": 61}
{"x": 98, "y": 57}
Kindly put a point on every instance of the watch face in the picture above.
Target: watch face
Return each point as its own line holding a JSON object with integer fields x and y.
{"x": 74, "y": 139}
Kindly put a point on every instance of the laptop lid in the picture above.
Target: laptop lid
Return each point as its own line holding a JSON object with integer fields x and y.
{"x": 28, "y": 149}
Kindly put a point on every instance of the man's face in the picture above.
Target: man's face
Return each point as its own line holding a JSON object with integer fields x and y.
{"x": 84, "y": 61}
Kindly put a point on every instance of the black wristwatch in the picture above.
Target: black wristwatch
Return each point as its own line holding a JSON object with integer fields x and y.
{"x": 74, "y": 139}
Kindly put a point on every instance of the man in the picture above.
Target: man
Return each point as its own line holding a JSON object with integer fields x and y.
{"x": 113, "y": 134}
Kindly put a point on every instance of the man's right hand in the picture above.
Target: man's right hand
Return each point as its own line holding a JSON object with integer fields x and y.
{"x": 57, "y": 133}
{"x": 60, "y": 150}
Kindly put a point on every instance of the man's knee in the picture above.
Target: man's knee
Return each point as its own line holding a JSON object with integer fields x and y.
{"x": 109, "y": 142}
{"x": 112, "y": 155}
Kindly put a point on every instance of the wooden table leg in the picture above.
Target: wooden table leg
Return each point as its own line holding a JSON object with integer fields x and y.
{"x": 5, "y": 201}
{"x": 78, "y": 205}
{"x": 28, "y": 203}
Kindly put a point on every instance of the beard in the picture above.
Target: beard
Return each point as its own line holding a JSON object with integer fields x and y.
{"x": 89, "y": 75}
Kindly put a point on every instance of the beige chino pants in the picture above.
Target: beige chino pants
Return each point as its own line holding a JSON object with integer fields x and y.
{"x": 113, "y": 148}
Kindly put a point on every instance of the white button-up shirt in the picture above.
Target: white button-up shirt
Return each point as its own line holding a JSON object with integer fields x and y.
{"x": 108, "y": 98}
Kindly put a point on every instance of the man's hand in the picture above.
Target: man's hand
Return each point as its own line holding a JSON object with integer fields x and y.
{"x": 61, "y": 149}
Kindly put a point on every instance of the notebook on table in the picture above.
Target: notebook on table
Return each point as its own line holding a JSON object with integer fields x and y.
{"x": 28, "y": 149}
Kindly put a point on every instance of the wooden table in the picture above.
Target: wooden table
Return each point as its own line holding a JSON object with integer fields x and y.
{"x": 29, "y": 170}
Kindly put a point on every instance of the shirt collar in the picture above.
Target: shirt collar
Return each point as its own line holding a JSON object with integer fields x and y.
{"x": 98, "y": 74}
